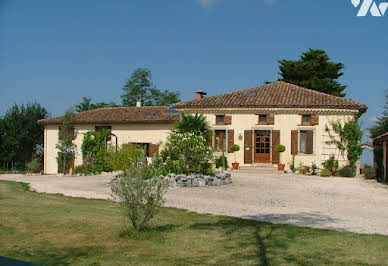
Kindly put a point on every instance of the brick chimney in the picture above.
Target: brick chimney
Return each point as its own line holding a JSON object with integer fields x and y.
{"x": 199, "y": 95}
{"x": 138, "y": 103}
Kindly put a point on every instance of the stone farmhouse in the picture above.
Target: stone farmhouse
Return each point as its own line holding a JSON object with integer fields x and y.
{"x": 257, "y": 119}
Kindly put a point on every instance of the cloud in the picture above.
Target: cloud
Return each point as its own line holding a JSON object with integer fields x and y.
{"x": 269, "y": 2}
{"x": 206, "y": 3}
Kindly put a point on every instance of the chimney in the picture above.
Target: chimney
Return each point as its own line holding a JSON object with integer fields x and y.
{"x": 199, "y": 95}
{"x": 138, "y": 103}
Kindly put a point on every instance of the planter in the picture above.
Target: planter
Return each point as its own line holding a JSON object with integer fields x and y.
{"x": 301, "y": 171}
{"x": 281, "y": 167}
{"x": 235, "y": 165}
{"x": 333, "y": 170}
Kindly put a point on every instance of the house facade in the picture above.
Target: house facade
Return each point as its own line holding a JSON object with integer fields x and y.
{"x": 257, "y": 119}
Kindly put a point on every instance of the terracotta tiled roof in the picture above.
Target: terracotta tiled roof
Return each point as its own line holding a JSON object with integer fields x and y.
{"x": 274, "y": 95}
{"x": 381, "y": 137}
{"x": 120, "y": 115}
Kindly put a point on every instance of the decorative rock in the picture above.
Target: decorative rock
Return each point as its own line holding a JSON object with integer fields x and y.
{"x": 180, "y": 183}
{"x": 201, "y": 182}
{"x": 216, "y": 182}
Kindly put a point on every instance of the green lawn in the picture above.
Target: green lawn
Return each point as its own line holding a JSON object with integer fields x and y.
{"x": 58, "y": 230}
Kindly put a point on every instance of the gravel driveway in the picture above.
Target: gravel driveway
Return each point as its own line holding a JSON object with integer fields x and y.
{"x": 345, "y": 204}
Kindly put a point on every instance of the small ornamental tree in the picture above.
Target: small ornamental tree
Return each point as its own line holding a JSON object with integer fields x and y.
{"x": 233, "y": 149}
{"x": 66, "y": 135}
{"x": 187, "y": 153}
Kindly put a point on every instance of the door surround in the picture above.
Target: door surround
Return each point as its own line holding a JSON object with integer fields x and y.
{"x": 262, "y": 146}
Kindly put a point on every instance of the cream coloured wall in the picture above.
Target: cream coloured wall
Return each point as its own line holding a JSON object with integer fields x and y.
{"x": 143, "y": 133}
{"x": 385, "y": 147}
{"x": 285, "y": 122}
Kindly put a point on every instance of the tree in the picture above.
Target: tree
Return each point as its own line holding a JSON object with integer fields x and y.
{"x": 378, "y": 129}
{"x": 21, "y": 134}
{"x": 66, "y": 135}
{"x": 196, "y": 124}
{"x": 86, "y": 105}
{"x": 140, "y": 86}
{"x": 315, "y": 71}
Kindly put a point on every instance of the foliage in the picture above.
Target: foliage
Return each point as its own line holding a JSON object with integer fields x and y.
{"x": 222, "y": 162}
{"x": 34, "y": 166}
{"x": 350, "y": 136}
{"x": 125, "y": 157}
{"x": 66, "y": 135}
{"x": 325, "y": 172}
{"x": 233, "y": 148}
{"x": 81, "y": 170}
{"x": 20, "y": 134}
{"x": 186, "y": 153}
{"x": 196, "y": 124}
{"x": 347, "y": 171}
{"x": 280, "y": 148}
{"x": 380, "y": 127}
{"x": 314, "y": 70}
{"x": 140, "y": 86}
{"x": 86, "y": 105}
{"x": 140, "y": 192}
{"x": 330, "y": 163}
{"x": 95, "y": 153}
{"x": 370, "y": 172}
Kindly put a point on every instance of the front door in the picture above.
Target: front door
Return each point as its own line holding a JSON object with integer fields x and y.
{"x": 262, "y": 146}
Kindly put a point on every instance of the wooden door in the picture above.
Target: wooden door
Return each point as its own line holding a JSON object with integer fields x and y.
{"x": 262, "y": 146}
{"x": 248, "y": 146}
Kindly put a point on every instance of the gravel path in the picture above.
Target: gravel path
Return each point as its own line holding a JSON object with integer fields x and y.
{"x": 345, "y": 204}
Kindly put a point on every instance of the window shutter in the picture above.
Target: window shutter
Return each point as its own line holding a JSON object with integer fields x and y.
{"x": 309, "y": 142}
{"x": 230, "y": 139}
{"x": 270, "y": 119}
{"x": 153, "y": 149}
{"x": 314, "y": 120}
{"x": 294, "y": 141}
{"x": 275, "y": 142}
{"x": 248, "y": 146}
{"x": 228, "y": 120}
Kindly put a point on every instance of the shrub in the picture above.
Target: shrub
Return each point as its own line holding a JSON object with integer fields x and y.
{"x": 140, "y": 192}
{"x": 186, "y": 153}
{"x": 347, "y": 171}
{"x": 280, "y": 148}
{"x": 125, "y": 157}
{"x": 370, "y": 172}
{"x": 219, "y": 162}
{"x": 325, "y": 173}
{"x": 34, "y": 166}
{"x": 330, "y": 163}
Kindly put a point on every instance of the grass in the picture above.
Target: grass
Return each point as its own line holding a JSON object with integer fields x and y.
{"x": 58, "y": 230}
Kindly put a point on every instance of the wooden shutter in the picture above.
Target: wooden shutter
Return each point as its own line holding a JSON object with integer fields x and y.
{"x": 270, "y": 119}
{"x": 247, "y": 146}
{"x": 230, "y": 139}
{"x": 309, "y": 142}
{"x": 294, "y": 141}
{"x": 153, "y": 149}
{"x": 228, "y": 120}
{"x": 314, "y": 120}
{"x": 275, "y": 142}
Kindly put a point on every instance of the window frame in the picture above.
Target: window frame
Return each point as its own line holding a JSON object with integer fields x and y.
{"x": 218, "y": 122}
{"x": 305, "y": 142}
{"x": 265, "y": 121}
{"x": 223, "y": 141}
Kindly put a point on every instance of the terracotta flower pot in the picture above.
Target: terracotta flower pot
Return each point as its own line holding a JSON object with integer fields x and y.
{"x": 281, "y": 167}
{"x": 235, "y": 165}
{"x": 301, "y": 171}
{"x": 333, "y": 170}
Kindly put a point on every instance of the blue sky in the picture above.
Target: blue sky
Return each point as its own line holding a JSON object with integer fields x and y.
{"x": 55, "y": 52}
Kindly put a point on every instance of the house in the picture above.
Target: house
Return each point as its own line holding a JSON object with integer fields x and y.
{"x": 383, "y": 141}
{"x": 257, "y": 119}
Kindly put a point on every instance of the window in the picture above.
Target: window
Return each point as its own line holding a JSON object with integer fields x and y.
{"x": 306, "y": 119}
{"x": 263, "y": 119}
{"x": 306, "y": 141}
{"x": 220, "y": 119}
{"x": 220, "y": 140}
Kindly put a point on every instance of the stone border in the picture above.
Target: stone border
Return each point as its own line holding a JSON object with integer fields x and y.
{"x": 198, "y": 180}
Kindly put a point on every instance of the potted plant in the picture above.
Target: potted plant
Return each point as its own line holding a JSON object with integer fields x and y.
{"x": 280, "y": 148}
{"x": 233, "y": 149}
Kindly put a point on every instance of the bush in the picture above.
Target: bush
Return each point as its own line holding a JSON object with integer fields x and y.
{"x": 347, "y": 171}
{"x": 186, "y": 153}
{"x": 330, "y": 163}
{"x": 34, "y": 166}
{"x": 370, "y": 172}
{"x": 325, "y": 173}
{"x": 125, "y": 157}
{"x": 219, "y": 162}
{"x": 280, "y": 148}
{"x": 140, "y": 192}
